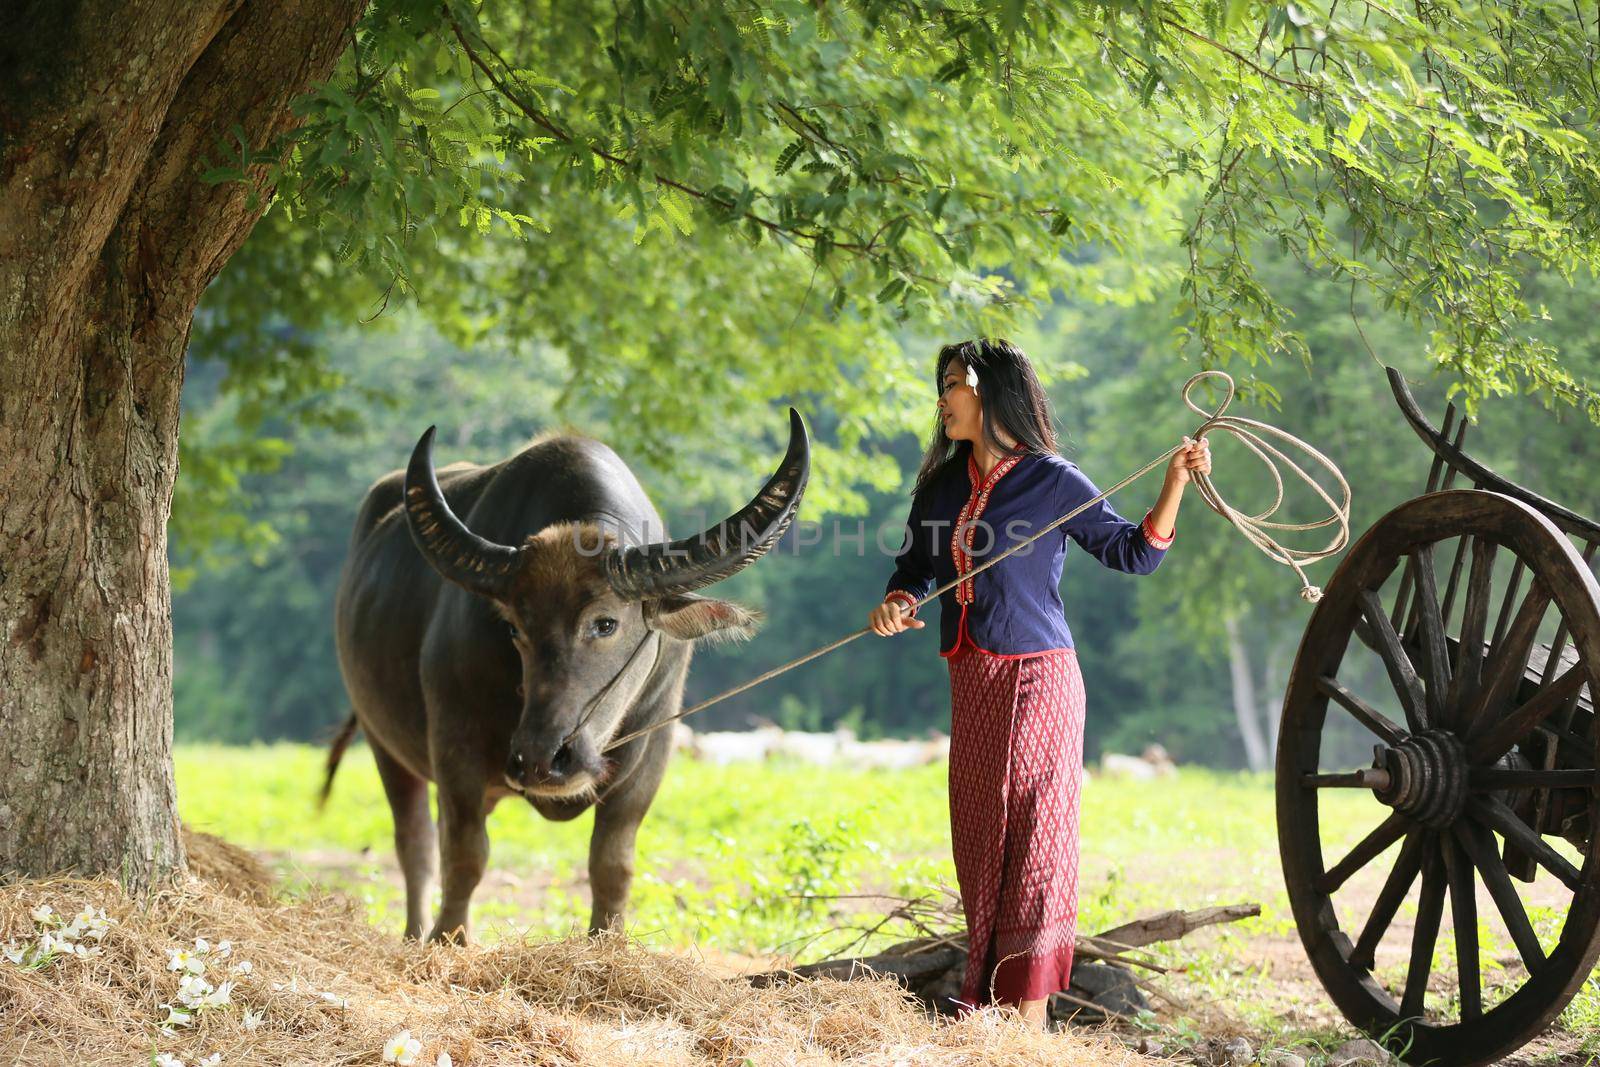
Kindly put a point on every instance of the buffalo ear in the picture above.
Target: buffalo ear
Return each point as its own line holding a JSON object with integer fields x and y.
{"x": 689, "y": 617}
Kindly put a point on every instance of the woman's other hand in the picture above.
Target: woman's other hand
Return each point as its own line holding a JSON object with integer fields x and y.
{"x": 889, "y": 618}
{"x": 1194, "y": 457}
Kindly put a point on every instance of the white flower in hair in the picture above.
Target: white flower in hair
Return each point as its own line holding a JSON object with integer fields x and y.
{"x": 972, "y": 378}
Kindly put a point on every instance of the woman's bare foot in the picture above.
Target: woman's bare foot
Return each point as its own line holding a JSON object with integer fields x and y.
{"x": 1036, "y": 1012}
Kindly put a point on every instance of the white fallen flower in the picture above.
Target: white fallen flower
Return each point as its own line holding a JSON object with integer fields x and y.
{"x": 242, "y": 967}
{"x": 14, "y": 952}
{"x": 42, "y": 914}
{"x": 93, "y": 922}
{"x": 181, "y": 959}
{"x": 253, "y": 1019}
{"x": 224, "y": 950}
{"x": 210, "y": 1061}
{"x": 192, "y": 991}
{"x": 202, "y": 946}
{"x": 335, "y": 999}
{"x": 218, "y": 997}
{"x": 444, "y": 1060}
{"x": 175, "y": 1017}
{"x": 402, "y": 1049}
{"x": 167, "y": 1059}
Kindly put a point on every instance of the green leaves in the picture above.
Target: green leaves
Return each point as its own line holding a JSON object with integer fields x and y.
{"x": 1357, "y": 126}
{"x": 634, "y": 183}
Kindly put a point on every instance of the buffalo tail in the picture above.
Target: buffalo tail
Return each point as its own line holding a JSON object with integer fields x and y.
{"x": 341, "y": 741}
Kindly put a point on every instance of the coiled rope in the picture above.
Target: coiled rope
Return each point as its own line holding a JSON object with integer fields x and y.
{"x": 1249, "y": 432}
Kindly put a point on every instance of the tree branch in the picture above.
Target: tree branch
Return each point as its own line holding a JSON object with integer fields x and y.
{"x": 548, "y": 124}
{"x": 77, "y": 121}
{"x": 1306, "y": 87}
{"x": 266, "y": 56}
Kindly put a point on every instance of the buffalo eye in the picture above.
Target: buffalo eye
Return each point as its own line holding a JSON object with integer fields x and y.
{"x": 604, "y": 627}
{"x": 511, "y": 628}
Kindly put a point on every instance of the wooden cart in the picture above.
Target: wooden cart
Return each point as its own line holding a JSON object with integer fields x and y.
{"x": 1474, "y": 671}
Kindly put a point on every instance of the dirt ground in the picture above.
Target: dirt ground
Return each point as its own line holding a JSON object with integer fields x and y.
{"x": 1273, "y": 973}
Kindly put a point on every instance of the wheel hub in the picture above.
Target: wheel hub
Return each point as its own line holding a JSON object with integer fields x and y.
{"x": 1426, "y": 777}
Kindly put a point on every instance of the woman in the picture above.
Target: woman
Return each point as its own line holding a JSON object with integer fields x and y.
{"x": 992, "y": 477}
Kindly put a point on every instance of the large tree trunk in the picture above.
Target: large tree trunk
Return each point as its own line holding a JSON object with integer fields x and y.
{"x": 108, "y": 236}
{"x": 88, "y": 459}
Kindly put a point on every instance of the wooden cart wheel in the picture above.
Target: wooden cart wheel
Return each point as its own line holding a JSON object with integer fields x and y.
{"x": 1478, "y": 739}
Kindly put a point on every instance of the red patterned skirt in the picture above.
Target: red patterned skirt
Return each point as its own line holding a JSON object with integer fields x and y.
{"x": 1016, "y": 772}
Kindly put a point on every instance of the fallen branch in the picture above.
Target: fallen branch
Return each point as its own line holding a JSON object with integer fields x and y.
{"x": 908, "y": 966}
{"x": 1171, "y": 925}
{"x": 921, "y": 962}
{"x": 1089, "y": 1004}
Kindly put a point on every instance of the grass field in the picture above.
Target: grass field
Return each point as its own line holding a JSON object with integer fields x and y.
{"x": 754, "y": 861}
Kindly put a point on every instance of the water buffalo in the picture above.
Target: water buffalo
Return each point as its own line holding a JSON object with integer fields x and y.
{"x": 500, "y": 653}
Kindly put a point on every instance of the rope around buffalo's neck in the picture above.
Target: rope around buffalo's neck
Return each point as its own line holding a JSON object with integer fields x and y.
{"x": 1249, "y": 432}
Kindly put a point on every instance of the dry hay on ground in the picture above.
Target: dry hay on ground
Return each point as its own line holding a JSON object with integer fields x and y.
{"x": 329, "y": 988}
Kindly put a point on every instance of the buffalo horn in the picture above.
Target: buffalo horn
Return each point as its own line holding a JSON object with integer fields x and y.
{"x": 444, "y": 540}
{"x": 663, "y": 568}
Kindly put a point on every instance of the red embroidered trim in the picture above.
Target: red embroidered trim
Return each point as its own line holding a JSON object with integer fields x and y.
{"x": 961, "y": 536}
{"x": 964, "y": 641}
{"x": 903, "y": 597}
{"x": 1155, "y": 540}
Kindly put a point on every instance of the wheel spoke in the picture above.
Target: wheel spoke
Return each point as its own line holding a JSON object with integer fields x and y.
{"x": 1513, "y": 585}
{"x": 1454, "y": 582}
{"x": 1464, "y": 917}
{"x": 1430, "y": 906}
{"x": 1479, "y": 845}
{"x": 1511, "y": 655}
{"x": 1487, "y": 743}
{"x": 1435, "y": 652}
{"x": 1402, "y": 673}
{"x": 1394, "y": 890}
{"x": 1494, "y": 779}
{"x": 1363, "y": 712}
{"x": 1552, "y": 652}
{"x": 1474, "y": 620}
{"x": 1366, "y": 850}
{"x": 1519, "y": 833}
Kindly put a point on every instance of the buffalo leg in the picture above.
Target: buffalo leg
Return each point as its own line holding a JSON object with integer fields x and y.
{"x": 413, "y": 835}
{"x": 616, "y": 826}
{"x": 464, "y": 852}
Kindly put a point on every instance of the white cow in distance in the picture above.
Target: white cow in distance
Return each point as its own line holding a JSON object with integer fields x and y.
{"x": 819, "y": 750}
{"x": 836, "y": 748}
{"x": 722, "y": 747}
{"x": 1149, "y": 765}
{"x": 893, "y": 755}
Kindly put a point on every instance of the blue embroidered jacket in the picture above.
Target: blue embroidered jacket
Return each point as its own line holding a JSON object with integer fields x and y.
{"x": 1013, "y": 608}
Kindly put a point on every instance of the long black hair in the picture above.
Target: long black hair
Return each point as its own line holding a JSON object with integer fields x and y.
{"x": 1012, "y": 398}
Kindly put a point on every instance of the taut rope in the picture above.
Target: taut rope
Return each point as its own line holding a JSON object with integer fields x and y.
{"x": 1248, "y": 431}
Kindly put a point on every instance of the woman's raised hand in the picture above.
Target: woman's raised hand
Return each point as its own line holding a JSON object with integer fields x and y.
{"x": 889, "y": 618}
{"x": 1193, "y": 458}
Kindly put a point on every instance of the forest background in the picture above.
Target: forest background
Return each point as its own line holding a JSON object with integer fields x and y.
{"x": 1195, "y": 657}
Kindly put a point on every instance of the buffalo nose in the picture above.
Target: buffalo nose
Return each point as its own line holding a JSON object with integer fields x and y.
{"x": 525, "y": 770}
{"x": 555, "y": 768}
